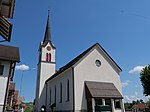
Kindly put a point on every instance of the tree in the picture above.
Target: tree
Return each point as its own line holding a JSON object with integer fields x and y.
{"x": 141, "y": 101}
{"x": 148, "y": 102}
{"x": 145, "y": 80}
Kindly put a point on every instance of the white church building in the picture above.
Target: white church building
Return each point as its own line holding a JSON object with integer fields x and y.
{"x": 88, "y": 83}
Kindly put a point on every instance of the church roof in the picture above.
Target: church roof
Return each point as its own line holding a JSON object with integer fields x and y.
{"x": 75, "y": 60}
{"x": 9, "y": 53}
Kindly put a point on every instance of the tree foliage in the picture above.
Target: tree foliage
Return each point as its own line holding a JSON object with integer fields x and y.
{"x": 148, "y": 102}
{"x": 129, "y": 105}
{"x": 145, "y": 80}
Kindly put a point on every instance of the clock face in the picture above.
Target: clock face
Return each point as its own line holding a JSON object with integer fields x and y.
{"x": 48, "y": 48}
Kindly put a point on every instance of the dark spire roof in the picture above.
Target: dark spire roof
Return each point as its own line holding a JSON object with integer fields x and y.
{"x": 47, "y": 36}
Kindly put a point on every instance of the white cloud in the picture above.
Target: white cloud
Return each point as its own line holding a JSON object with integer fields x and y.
{"x": 22, "y": 67}
{"x": 136, "y": 70}
{"x": 125, "y": 84}
{"x": 129, "y": 99}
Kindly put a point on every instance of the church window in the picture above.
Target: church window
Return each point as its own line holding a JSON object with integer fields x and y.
{"x": 55, "y": 94}
{"x": 39, "y": 57}
{"x": 1, "y": 69}
{"x": 68, "y": 90}
{"x": 60, "y": 92}
{"x": 49, "y": 96}
{"x": 48, "y": 57}
{"x": 98, "y": 63}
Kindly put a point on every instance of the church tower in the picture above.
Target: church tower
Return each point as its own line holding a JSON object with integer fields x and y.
{"x": 45, "y": 67}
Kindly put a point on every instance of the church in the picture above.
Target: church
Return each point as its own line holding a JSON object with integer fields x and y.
{"x": 88, "y": 83}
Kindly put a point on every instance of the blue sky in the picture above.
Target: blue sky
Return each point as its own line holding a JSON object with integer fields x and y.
{"x": 122, "y": 27}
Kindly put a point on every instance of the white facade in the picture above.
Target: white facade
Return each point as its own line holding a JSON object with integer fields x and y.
{"x": 86, "y": 70}
{"x": 4, "y": 78}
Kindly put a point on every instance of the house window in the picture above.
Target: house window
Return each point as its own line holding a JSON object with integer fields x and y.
{"x": 60, "y": 92}
{"x": 117, "y": 103}
{"x": 67, "y": 90}
{"x": 1, "y": 69}
{"x": 55, "y": 94}
{"x": 107, "y": 102}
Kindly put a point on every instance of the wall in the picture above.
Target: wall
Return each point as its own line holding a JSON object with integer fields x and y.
{"x": 62, "y": 78}
{"x": 86, "y": 70}
{"x": 3, "y": 81}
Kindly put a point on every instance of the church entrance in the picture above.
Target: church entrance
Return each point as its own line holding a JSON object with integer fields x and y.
{"x": 102, "y": 97}
{"x": 89, "y": 105}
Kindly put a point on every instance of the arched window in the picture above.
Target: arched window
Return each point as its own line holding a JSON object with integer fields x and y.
{"x": 48, "y": 57}
{"x": 40, "y": 57}
{"x": 67, "y": 90}
{"x": 49, "y": 96}
{"x": 55, "y": 93}
{"x": 60, "y": 92}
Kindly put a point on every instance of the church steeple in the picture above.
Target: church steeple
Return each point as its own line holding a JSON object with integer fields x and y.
{"x": 47, "y": 36}
{"x": 46, "y": 67}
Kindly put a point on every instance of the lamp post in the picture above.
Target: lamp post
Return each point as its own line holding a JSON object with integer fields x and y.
{"x": 21, "y": 83}
{"x": 21, "y": 80}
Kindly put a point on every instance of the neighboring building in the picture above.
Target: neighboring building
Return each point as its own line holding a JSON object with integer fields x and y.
{"x": 12, "y": 98}
{"x": 8, "y": 57}
{"x": 90, "y": 82}
{"x": 141, "y": 107}
{"x": 6, "y": 11}
{"x": 15, "y": 101}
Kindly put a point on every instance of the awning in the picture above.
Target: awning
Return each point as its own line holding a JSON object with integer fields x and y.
{"x": 101, "y": 90}
{"x": 9, "y": 53}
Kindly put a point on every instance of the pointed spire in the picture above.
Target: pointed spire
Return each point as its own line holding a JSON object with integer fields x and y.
{"x": 47, "y": 36}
